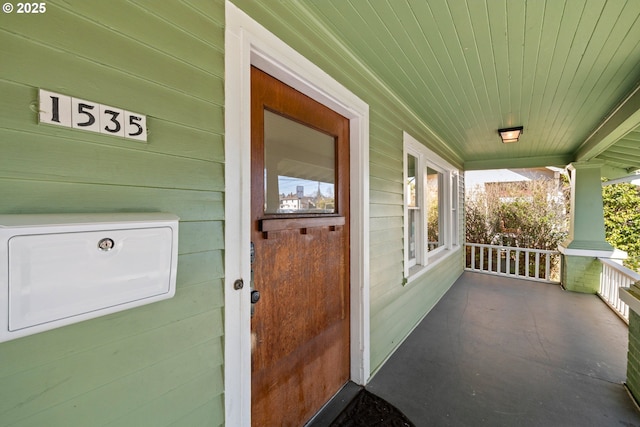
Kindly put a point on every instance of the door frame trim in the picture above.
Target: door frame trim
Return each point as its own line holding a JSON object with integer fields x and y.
{"x": 248, "y": 43}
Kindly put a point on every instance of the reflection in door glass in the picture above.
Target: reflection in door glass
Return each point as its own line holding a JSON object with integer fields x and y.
{"x": 299, "y": 162}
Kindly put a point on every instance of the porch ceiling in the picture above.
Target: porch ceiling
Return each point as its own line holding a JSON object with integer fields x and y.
{"x": 624, "y": 152}
{"x": 565, "y": 70}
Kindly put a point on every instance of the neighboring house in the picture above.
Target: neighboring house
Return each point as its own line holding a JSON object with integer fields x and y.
{"x": 290, "y": 203}
{"x": 510, "y": 191}
{"x": 381, "y": 99}
{"x": 506, "y": 180}
{"x": 296, "y": 203}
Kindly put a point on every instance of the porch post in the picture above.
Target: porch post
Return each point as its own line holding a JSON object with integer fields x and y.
{"x": 586, "y": 241}
{"x": 632, "y": 298}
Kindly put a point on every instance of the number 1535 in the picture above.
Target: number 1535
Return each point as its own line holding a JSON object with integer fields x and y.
{"x": 63, "y": 110}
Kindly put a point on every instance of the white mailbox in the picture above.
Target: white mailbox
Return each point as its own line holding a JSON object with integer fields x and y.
{"x": 65, "y": 268}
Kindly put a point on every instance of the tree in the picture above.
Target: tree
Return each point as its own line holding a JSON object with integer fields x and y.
{"x": 477, "y": 229}
{"x": 531, "y": 214}
{"x": 621, "y": 204}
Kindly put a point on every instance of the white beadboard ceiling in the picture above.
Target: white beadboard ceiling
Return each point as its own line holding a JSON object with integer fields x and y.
{"x": 565, "y": 70}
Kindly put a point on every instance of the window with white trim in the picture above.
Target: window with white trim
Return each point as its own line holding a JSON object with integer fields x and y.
{"x": 431, "y": 212}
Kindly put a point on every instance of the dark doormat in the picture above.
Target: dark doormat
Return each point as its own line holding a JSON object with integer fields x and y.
{"x": 368, "y": 410}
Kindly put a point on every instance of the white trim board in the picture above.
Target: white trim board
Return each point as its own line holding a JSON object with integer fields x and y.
{"x": 631, "y": 298}
{"x": 248, "y": 43}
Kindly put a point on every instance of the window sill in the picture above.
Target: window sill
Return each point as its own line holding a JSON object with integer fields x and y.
{"x": 418, "y": 271}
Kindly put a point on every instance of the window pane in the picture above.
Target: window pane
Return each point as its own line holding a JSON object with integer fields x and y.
{"x": 299, "y": 167}
{"x": 411, "y": 183}
{"x": 412, "y": 236}
{"x": 454, "y": 210}
{"x": 434, "y": 214}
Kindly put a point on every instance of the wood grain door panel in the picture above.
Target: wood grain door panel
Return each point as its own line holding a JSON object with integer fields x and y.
{"x": 301, "y": 268}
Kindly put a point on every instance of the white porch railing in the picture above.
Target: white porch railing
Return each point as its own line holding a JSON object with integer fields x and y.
{"x": 613, "y": 277}
{"x": 521, "y": 263}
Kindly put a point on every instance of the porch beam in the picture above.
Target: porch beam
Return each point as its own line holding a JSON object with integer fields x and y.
{"x": 519, "y": 162}
{"x": 626, "y": 178}
{"x": 620, "y": 122}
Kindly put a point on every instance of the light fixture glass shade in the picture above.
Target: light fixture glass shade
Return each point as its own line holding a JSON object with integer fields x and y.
{"x": 509, "y": 135}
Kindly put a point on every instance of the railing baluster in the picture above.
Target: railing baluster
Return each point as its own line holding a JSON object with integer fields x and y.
{"x": 547, "y": 266}
{"x": 526, "y": 259}
{"x": 473, "y": 257}
{"x": 612, "y": 278}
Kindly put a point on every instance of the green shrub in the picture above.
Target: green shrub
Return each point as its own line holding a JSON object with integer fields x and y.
{"x": 530, "y": 214}
{"x": 622, "y": 220}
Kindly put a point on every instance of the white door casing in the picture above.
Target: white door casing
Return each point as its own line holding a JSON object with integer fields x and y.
{"x": 247, "y": 43}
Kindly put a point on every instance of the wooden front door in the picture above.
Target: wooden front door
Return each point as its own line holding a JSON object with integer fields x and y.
{"x": 300, "y": 261}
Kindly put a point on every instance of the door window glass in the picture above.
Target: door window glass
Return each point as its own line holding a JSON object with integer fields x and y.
{"x": 299, "y": 167}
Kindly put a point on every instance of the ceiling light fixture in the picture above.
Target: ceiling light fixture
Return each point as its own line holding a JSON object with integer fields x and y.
{"x": 509, "y": 135}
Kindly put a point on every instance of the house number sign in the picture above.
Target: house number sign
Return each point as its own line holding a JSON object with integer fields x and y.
{"x": 64, "y": 110}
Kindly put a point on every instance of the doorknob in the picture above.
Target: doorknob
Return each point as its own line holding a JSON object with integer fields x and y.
{"x": 255, "y": 296}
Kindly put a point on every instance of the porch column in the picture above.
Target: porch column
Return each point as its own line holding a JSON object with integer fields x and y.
{"x": 632, "y": 298}
{"x": 586, "y": 241}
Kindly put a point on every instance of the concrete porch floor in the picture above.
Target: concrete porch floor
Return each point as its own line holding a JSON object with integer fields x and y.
{"x": 497, "y": 351}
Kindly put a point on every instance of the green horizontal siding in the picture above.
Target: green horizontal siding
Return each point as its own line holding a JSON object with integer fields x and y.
{"x": 107, "y": 85}
{"x": 159, "y": 364}
{"x": 36, "y": 196}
